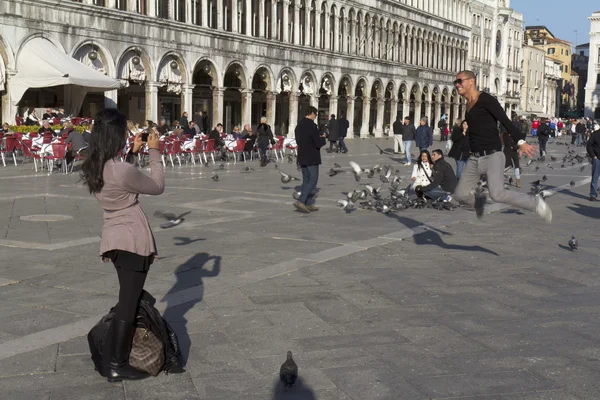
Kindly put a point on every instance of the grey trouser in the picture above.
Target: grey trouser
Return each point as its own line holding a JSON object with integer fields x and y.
{"x": 493, "y": 167}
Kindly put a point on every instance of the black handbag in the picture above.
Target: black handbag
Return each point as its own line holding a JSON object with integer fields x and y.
{"x": 149, "y": 316}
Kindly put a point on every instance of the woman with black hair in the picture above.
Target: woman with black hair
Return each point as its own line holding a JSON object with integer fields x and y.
{"x": 460, "y": 145}
{"x": 127, "y": 239}
{"x": 422, "y": 170}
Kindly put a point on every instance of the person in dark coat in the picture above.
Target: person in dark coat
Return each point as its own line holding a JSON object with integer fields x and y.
{"x": 334, "y": 133}
{"x": 460, "y": 145}
{"x": 264, "y": 138}
{"x": 511, "y": 152}
{"x": 444, "y": 180}
{"x": 184, "y": 120}
{"x": 215, "y": 135}
{"x": 593, "y": 150}
{"x": 343, "y": 126}
{"x": 443, "y": 125}
{"x": 250, "y": 137}
{"x": 409, "y": 133}
{"x": 424, "y": 136}
{"x": 397, "y": 129}
{"x": 543, "y": 136}
{"x": 309, "y": 157}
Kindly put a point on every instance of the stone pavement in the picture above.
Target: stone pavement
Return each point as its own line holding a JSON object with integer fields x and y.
{"x": 421, "y": 304}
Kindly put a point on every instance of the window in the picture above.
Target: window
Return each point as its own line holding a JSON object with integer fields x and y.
{"x": 551, "y": 50}
{"x": 561, "y": 68}
{"x": 582, "y": 53}
{"x": 598, "y": 80}
{"x": 562, "y": 51}
{"x": 566, "y": 52}
{"x": 566, "y": 68}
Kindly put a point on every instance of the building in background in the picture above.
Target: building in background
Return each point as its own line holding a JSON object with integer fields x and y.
{"x": 579, "y": 64}
{"x": 552, "y": 82}
{"x": 496, "y": 50}
{"x": 592, "y": 88}
{"x": 533, "y": 84}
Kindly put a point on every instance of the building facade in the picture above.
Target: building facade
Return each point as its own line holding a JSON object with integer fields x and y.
{"x": 579, "y": 64}
{"x": 592, "y": 88}
{"x": 552, "y": 83}
{"x": 532, "y": 90}
{"x": 240, "y": 60}
{"x": 496, "y": 50}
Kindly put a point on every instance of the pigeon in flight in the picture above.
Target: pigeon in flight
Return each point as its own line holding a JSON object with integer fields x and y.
{"x": 381, "y": 151}
{"x": 172, "y": 219}
{"x": 215, "y": 177}
{"x": 529, "y": 162}
{"x": 288, "y": 373}
{"x": 285, "y": 178}
{"x": 573, "y": 243}
{"x": 356, "y": 169}
{"x": 535, "y": 183}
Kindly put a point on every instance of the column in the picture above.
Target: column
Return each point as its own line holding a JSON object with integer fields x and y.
{"x": 171, "y": 10}
{"x": 438, "y": 112}
{"x": 364, "y": 127}
{"x": 217, "y": 116}
{"x": 352, "y": 27}
{"x": 432, "y": 124}
{"x": 418, "y": 106}
{"x": 112, "y": 4}
{"x": 248, "y": 14}
{"x": 378, "y": 130}
{"x": 314, "y": 101}
{"x": 247, "y": 106}
{"x": 318, "y": 26}
{"x": 110, "y": 98}
{"x": 204, "y": 12}
{"x": 189, "y": 11}
{"x": 88, "y": 1}
{"x": 454, "y": 113}
{"x": 151, "y": 8}
{"x": 293, "y": 117}
{"x": 307, "y": 27}
{"x": 286, "y": 21}
{"x": 261, "y": 18}
{"x": 132, "y": 5}
{"x": 326, "y": 39}
{"x": 336, "y": 34}
{"x": 333, "y": 105}
{"x": 187, "y": 92}
{"x": 405, "y": 109}
{"x": 274, "y": 30}
{"x": 151, "y": 101}
{"x": 271, "y": 105}
{"x": 393, "y": 115}
{"x": 296, "y": 38}
{"x": 350, "y": 116}
{"x": 9, "y": 109}
{"x": 219, "y": 14}
{"x": 234, "y": 16}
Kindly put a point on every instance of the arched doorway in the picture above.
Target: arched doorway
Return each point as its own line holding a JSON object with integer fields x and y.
{"x": 327, "y": 105}
{"x": 134, "y": 101}
{"x": 415, "y": 104}
{"x": 202, "y": 95}
{"x": 95, "y": 57}
{"x": 259, "y": 96}
{"x": 171, "y": 79}
{"x": 307, "y": 96}
{"x": 286, "y": 109}
{"x": 234, "y": 83}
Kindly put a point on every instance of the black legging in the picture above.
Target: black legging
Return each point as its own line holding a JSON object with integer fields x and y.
{"x": 131, "y": 284}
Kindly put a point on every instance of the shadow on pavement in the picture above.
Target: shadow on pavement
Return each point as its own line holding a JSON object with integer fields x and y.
{"x": 189, "y": 275}
{"x": 586, "y": 211}
{"x": 299, "y": 392}
{"x": 182, "y": 241}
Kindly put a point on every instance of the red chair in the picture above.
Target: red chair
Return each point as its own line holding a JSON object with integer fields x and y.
{"x": 59, "y": 152}
{"x": 279, "y": 147}
{"x": 293, "y": 147}
{"x": 19, "y": 120}
{"x": 48, "y": 136}
{"x": 174, "y": 150}
{"x": 10, "y": 145}
{"x": 197, "y": 148}
{"x": 76, "y": 121}
{"x": 79, "y": 155}
{"x": 238, "y": 149}
{"x": 33, "y": 135}
{"x": 27, "y": 146}
{"x": 208, "y": 146}
{"x": 55, "y": 121}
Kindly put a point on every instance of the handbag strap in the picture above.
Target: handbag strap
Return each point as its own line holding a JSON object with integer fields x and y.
{"x": 425, "y": 172}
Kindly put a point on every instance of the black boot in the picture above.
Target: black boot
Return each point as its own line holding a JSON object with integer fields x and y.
{"x": 118, "y": 368}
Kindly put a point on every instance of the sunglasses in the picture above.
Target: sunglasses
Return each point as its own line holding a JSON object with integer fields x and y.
{"x": 459, "y": 81}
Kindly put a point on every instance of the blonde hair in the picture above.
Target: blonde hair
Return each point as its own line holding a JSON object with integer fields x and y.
{"x": 130, "y": 125}
{"x": 458, "y": 122}
{"x": 263, "y": 120}
{"x": 68, "y": 125}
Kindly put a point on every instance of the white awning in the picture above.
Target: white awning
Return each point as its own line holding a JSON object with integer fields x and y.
{"x": 41, "y": 64}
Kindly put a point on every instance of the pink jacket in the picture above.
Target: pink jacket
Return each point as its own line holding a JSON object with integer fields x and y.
{"x": 126, "y": 226}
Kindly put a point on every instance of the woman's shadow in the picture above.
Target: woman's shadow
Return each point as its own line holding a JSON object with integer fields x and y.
{"x": 189, "y": 275}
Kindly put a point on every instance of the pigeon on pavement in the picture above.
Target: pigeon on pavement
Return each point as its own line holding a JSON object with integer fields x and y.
{"x": 573, "y": 243}
{"x": 288, "y": 373}
{"x": 215, "y": 178}
{"x": 285, "y": 178}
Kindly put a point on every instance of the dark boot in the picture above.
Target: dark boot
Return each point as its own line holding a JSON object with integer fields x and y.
{"x": 118, "y": 368}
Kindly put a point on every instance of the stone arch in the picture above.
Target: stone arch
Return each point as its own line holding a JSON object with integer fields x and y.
{"x": 7, "y": 54}
{"x": 181, "y": 64}
{"x": 269, "y": 79}
{"x": 171, "y": 73}
{"x": 328, "y": 82}
{"x": 210, "y": 68}
{"x": 244, "y": 78}
{"x": 308, "y": 83}
{"x": 361, "y": 87}
{"x": 104, "y": 62}
{"x": 286, "y": 81}
{"x": 377, "y": 88}
{"x": 41, "y": 35}
{"x": 125, "y": 61}
{"x": 345, "y": 85}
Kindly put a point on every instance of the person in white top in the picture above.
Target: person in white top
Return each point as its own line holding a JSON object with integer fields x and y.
{"x": 421, "y": 175}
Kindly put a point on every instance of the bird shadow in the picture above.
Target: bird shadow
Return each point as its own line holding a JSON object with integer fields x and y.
{"x": 182, "y": 241}
{"x": 562, "y": 246}
{"x": 586, "y": 211}
{"x": 513, "y": 211}
{"x": 189, "y": 275}
{"x": 432, "y": 236}
{"x": 300, "y": 391}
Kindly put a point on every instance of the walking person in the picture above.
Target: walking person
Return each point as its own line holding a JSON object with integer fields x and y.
{"x": 593, "y": 150}
{"x": 264, "y": 138}
{"x": 397, "y": 129}
{"x": 309, "y": 157}
{"x": 543, "y": 136}
{"x": 127, "y": 239}
{"x": 424, "y": 136}
{"x": 409, "y": 133}
{"x": 511, "y": 153}
{"x": 460, "y": 145}
{"x": 333, "y": 133}
{"x": 443, "y": 125}
{"x": 580, "y": 131}
{"x": 343, "y": 125}
{"x": 483, "y": 114}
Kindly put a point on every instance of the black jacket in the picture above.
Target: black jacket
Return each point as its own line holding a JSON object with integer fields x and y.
{"x": 397, "y": 128}
{"x": 511, "y": 151}
{"x": 265, "y": 135}
{"x": 409, "y": 132}
{"x": 443, "y": 176}
{"x": 334, "y": 130}
{"x": 460, "y": 144}
{"x": 580, "y": 128}
{"x": 216, "y": 136}
{"x": 309, "y": 142}
{"x": 544, "y": 131}
{"x": 523, "y": 128}
{"x": 593, "y": 145}
{"x": 343, "y": 126}
{"x": 183, "y": 121}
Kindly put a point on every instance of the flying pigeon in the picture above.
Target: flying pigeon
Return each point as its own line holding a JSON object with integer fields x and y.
{"x": 288, "y": 373}
{"x": 381, "y": 151}
{"x": 573, "y": 243}
{"x": 356, "y": 169}
{"x": 529, "y": 162}
{"x": 535, "y": 183}
{"x": 215, "y": 178}
{"x": 172, "y": 219}
{"x": 285, "y": 178}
